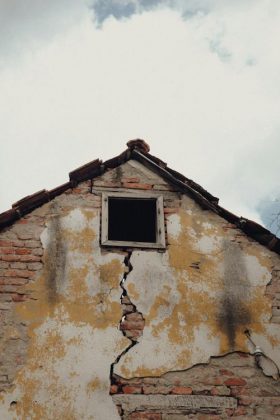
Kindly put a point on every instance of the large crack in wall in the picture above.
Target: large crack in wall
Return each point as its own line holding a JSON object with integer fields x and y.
{"x": 131, "y": 323}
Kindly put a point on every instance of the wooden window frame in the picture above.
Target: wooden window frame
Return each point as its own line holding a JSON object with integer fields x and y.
{"x": 160, "y": 230}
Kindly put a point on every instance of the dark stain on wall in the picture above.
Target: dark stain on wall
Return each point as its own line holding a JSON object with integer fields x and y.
{"x": 55, "y": 259}
{"x": 233, "y": 313}
{"x": 118, "y": 174}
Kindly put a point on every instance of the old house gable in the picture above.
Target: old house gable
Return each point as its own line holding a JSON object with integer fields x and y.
{"x": 188, "y": 328}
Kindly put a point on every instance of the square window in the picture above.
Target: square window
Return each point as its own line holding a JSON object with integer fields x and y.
{"x": 134, "y": 221}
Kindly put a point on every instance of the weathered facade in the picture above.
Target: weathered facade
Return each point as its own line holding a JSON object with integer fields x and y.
{"x": 90, "y": 331}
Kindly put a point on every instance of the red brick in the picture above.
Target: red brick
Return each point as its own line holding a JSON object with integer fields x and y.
{"x": 226, "y": 372}
{"x": 13, "y": 280}
{"x": 181, "y": 390}
{"x": 240, "y": 411}
{"x": 29, "y": 258}
{"x": 245, "y": 400}
{"x": 18, "y": 297}
{"x": 37, "y": 251}
{"x": 276, "y": 411}
{"x": 137, "y": 186}
{"x": 23, "y": 251}
{"x": 34, "y": 266}
{"x": 9, "y": 257}
{"x": 128, "y": 389}
{"x": 19, "y": 273}
{"x": 133, "y": 334}
{"x": 153, "y": 389}
{"x": 235, "y": 382}
{"x": 134, "y": 316}
{"x": 4, "y": 264}
{"x": 10, "y": 243}
{"x": 32, "y": 244}
{"x": 131, "y": 179}
{"x": 114, "y": 389}
{"x": 132, "y": 325}
{"x": 8, "y": 288}
{"x": 5, "y": 297}
{"x": 112, "y": 184}
{"x": 18, "y": 265}
{"x": 274, "y": 400}
{"x": 7, "y": 251}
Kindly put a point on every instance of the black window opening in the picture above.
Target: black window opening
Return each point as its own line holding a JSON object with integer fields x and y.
{"x": 132, "y": 219}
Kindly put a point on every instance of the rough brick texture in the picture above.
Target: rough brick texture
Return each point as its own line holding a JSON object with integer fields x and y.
{"x": 234, "y": 375}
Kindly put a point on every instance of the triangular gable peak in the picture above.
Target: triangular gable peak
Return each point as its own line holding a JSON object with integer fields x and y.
{"x": 138, "y": 151}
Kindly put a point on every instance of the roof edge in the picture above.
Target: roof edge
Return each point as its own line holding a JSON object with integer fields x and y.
{"x": 139, "y": 150}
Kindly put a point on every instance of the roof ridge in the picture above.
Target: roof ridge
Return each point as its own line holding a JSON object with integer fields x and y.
{"x": 139, "y": 150}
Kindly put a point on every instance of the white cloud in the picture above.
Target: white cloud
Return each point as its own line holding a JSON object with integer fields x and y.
{"x": 203, "y": 91}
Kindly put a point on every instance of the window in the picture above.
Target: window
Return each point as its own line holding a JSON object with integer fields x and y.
{"x": 132, "y": 220}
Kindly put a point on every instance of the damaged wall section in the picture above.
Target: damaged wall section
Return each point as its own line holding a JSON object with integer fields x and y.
{"x": 72, "y": 310}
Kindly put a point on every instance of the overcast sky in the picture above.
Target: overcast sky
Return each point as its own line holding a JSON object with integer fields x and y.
{"x": 198, "y": 80}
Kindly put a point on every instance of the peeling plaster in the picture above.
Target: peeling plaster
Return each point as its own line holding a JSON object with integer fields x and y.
{"x": 75, "y": 337}
{"x": 197, "y": 298}
{"x": 187, "y": 295}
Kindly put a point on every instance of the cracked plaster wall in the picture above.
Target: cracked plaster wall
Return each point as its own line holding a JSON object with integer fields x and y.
{"x": 199, "y": 296}
{"x": 62, "y": 321}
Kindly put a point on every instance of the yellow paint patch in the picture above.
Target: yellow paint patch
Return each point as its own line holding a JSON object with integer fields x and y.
{"x": 132, "y": 292}
{"x": 85, "y": 296}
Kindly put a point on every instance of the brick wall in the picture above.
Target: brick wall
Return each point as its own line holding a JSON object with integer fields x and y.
{"x": 232, "y": 376}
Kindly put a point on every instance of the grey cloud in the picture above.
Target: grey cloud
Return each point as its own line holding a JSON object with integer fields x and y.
{"x": 124, "y": 9}
{"x": 24, "y": 25}
{"x": 104, "y": 9}
{"x": 120, "y": 9}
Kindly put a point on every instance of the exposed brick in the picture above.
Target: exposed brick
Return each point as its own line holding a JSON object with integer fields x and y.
{"x": 132, "y": 325}
{"x": 37, "y": 251}
{"x": 138, "y": 186}
{"x": 25, "y": 235}
{"x": 248, "y": 400}
{"x": 150, "y": 389}
{"x": 30, "y": 258}
{"x": 128, "y": 389}
{"x": 114, "y": 389}
{"x": 18, "y": 265}
{"x": 8, "y": 288}
{"x": 276, "y": 411}
{"x": 13, "y": 280}
{"x": 134, "y": 316}
{"x": 133, "y": 334}
{"x": 226, "y": 372}
{"x": 5, "y": 297}
{"x": 240, "y": 411}
{"x": 235, "y": 382}
{"x": 131, "y": 180}
{"x": 4, "y": 264}
{"x": 34, "y": 266}
{"x": 23, "y": 251}
{"x": 18, "y": 297}
{"x": 18, "y": 273}
{"x": 32, "y": 244}
{"x": 220, "y": 390}
{"x": 9, "y": 257}
{"x": 181, "y": 390}
{"x": 213, "y": 380}
{"x": 11, "y": 243}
